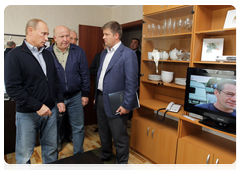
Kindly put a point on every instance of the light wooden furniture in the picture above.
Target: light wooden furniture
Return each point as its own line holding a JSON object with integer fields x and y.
{"x": 183, "y": 141}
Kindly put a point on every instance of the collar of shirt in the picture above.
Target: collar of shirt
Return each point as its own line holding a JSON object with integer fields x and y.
{"x": 114, "y": 48}
{"x": 33, "y": 49}
{"x": 60, "y": 51}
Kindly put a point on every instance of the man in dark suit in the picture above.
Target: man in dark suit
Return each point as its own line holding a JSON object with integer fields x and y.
{"x": 118, "y": 71}
{"x": 135, "y": 44}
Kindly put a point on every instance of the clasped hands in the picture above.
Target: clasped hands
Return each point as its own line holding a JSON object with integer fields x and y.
{"x": 45, "y": 111}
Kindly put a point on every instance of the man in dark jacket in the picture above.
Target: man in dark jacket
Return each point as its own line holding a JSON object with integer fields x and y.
{"x": 135, "y": 44}
{"x": 32, "y": 81}
{"x": 72, "y": 66}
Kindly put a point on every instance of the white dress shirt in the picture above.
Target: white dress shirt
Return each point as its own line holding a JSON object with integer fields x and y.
{"x": 105, "y": 64}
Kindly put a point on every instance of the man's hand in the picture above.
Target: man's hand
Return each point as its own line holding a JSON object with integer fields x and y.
{"x": 61, "y": 107}
{"x": 122, "y": 110}
{"x": 44, "y": 111}
{"x": 84, "y": 101}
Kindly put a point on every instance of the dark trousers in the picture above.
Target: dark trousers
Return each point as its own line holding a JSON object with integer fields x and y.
{"x": 115, "y": 128}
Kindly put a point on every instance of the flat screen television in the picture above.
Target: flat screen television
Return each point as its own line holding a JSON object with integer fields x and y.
{"x": 211, "y": 93}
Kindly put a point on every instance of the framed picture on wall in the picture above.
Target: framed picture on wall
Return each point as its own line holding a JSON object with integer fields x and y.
{"x": 212, "y": 47}
{"x": 230, "y": 21}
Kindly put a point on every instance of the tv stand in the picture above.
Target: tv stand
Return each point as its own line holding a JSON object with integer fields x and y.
{"x": 218, "y": 125}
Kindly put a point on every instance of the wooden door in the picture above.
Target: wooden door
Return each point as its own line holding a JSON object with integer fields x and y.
{"x": 223, "y": 163}
{"x": 190, "y": 154}
{"x": 152, "y": 143}
{"x": 90, "y": 39}
{"x": 138, "y": 135}
{"x": 166, "y": 147}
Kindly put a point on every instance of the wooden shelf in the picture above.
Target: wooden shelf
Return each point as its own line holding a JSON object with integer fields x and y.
{"x": 155, "y": 104}
{"x": 196, "y": 122}
{"x": 218, "y": 63}
{"x": 173, "y": 85}
{"x": 169, "y": 36}
{"x": 167, "y": 61}
{"x": 229, "y": 31}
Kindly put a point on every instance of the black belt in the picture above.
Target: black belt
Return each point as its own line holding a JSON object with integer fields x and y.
{"x": 68, "y": 96}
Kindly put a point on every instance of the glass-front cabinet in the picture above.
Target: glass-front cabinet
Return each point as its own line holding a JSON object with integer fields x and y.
{"x": 166, "y": 54}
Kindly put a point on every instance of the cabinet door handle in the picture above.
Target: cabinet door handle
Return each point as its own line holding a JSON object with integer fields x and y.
{"x": 152, "y": 133}
{"x": 162, "y": 6}
{"x": 208, "y": 158}
{"x": 148, "y": 130}
{"x": 216, "y": 164}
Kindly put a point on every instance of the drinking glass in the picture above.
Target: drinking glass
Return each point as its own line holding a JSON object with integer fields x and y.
{"x": 174, "y": 26}
{"x": 159, "y": 29}
{"x": 179, "y": 25}
{"x": 164, "y": 26}
{"x": 169, "y": 26}
{"x": 153, "y": 29}
{"x": 187, "y": 24}
{"x": 149, "y": 29}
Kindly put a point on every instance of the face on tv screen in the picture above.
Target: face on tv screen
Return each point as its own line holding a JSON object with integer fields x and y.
{"x": 213, "y": 94}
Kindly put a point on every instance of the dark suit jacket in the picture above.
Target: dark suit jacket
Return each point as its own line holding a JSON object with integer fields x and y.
{"x": 94, "y": 67}
{"x": 139, "y": 64}
{"x": 121, "y": 74}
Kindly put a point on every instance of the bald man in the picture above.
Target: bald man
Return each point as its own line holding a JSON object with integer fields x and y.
{"x": 72, "y": 66}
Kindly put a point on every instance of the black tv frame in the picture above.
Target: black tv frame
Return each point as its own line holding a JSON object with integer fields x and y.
{"x": 217, "y": 120}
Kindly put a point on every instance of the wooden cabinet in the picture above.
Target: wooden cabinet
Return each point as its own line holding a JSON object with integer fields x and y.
{"x": 201, "y": 147}
{"x": 183, "y": 141}
{"x": 156, "y": 141}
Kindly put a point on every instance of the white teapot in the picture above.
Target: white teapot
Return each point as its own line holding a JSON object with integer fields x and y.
{"x": 173, "y": 54}
{"x": 165, "y": 55}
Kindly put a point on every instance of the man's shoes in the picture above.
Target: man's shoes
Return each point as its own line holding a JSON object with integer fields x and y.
{"x": 96, "y": 130}
{"x": 104, "y": 160}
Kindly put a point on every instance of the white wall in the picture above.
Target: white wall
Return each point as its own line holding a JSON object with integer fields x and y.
{"x": 16, "y": 16}
{"x": 127, "y": 13}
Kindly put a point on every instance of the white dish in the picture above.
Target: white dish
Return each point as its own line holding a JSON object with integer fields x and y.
{"x": 167, "y": 79}
{"x": 154, "y": 77}
{"x": 180, "y": 81}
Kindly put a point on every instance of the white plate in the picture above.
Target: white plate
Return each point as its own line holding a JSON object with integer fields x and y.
{"x": 154, "y": 77}
{"x": 180, "y": 83}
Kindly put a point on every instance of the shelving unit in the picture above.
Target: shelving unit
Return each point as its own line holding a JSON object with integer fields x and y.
{"x": 185, "y": 136}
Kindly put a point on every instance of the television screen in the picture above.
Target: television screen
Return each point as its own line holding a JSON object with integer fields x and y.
{"x": 212, "y": 94}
